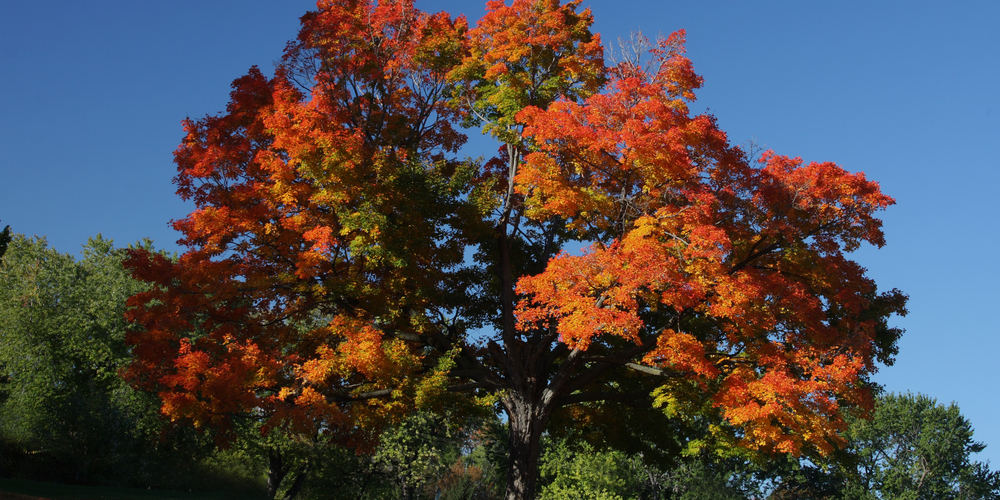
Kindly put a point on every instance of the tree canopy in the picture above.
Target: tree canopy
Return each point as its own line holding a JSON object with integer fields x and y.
{"x": 914, "y": 447}
{"x": 346, "y": 266}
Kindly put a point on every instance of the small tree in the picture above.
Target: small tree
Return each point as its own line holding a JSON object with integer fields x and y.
{"x": 915, "y": 448}
{"x": 417, "y": 453}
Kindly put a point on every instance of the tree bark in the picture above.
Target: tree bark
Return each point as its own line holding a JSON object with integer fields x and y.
{"x": 408, "y": 491}
{"x": 275, "y": 472}
{"x": 296, "y": 487}
{"x": 526, "y": 421}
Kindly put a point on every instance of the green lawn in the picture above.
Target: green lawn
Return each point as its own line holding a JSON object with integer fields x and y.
{"x": 18, "y": 489}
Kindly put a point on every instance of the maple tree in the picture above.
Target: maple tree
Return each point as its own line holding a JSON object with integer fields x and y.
{"x": 345, "y": 266}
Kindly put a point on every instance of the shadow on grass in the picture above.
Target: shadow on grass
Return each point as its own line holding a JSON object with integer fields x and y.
{"x": 20, "y": 489}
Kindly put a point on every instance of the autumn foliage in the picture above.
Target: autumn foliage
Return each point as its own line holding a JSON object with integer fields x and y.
{"x": 345, "y": 265}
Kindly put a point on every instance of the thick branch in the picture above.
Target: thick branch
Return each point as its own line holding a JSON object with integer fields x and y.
{"x": 562, "y": 377}
{"x": 467, "y": 387}
{"x": 649, "y": 370}
{"x": 504, "y": 271}
{"x": 342, "y": 398}
{"x": 636, "y": 399}
{"x": 469, "y": 365}
{"x": 601, "y": 367}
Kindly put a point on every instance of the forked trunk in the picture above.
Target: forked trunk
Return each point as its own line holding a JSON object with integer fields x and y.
{"x": 526, "y": 422}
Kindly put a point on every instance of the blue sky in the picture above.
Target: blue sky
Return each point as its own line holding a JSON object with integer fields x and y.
{"x": 908, "y": 92}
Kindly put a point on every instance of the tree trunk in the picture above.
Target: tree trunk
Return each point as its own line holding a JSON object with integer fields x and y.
{"x": 408, "y": 491}
{"x": 275, "y": 472}
{"x": 526, "y": 421}
{"x": 296, "y": 487}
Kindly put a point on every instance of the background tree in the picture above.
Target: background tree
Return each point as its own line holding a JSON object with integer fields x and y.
{"x": 910, "y": 447}
{"x": 64, "y": 413}
{"x": 427, "y": 455}
{"x": 63, "y": 340}
{"x": 5, "y": 238}
{"x": 333, "y": 191}
{"x": 481, "y": 472}
{"x": 914, "y": 447}
{"x": 417, "y": 454}
{"x": 283, "y": 458}
{"x": 679, "y": 456}
{"x": 586, "y": 472}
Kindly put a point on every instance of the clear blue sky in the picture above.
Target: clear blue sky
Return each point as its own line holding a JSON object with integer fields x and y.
{"x": 908, "y": 92}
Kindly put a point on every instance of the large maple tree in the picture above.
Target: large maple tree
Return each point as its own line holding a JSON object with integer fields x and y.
{"x": 346, "y": 266}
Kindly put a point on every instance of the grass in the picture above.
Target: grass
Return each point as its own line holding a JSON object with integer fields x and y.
{"x": 19, "y": 489}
